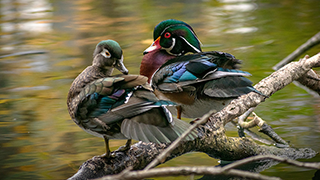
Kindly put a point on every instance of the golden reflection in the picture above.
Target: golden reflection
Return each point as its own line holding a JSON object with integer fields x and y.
{"x": 20, "y": 129}
{"x": 27, "y": 168}
{"x": 37, "y": 134}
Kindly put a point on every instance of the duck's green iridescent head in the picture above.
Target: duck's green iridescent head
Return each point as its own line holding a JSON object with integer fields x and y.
{"x": 176, "y": 37}
{"x": 108, "y": 54}
{"x": 112, "y": 46}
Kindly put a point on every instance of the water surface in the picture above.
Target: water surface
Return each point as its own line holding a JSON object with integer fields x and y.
{"x": 56, "y": 40}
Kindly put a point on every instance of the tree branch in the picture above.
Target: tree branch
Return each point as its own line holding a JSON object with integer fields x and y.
{"x": 299, "y": 51}
{"x": 311, "y": 80}
{"x": 185, "y": 171}
{"x": 228, "y": 169}
{"x": 212, "y": 139}
{"x": 161, "y": 157}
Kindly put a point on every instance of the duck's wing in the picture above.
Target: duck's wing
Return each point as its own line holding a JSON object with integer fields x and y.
{"x": 101, "y": 95}
{"x": 147, "y": 119}
{"x": 181, "y": 75}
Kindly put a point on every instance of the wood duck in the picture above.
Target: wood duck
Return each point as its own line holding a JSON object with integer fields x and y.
{"x": 121, "y": 106}
{"x": 198, "y": 82}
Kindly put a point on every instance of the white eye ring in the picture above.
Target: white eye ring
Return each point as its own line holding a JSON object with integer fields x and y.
{"x": 105, "y": 53}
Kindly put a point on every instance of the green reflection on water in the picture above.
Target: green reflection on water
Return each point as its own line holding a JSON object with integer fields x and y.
{"x": 38, "y": 139}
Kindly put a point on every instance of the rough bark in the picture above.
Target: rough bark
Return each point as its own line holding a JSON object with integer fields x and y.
{"x": 311, "y": 80}
{"x": 212, "y": 139}
{"x": 214, "y": 172}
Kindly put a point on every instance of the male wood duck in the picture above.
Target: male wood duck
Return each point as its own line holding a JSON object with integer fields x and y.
{"x": 121, "y": 106}
{"x": 198, "y": 82}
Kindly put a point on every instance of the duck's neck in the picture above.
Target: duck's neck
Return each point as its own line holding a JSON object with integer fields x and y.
{"x": 88, "y": 75}
{"x": 153, "y": 61}
{"x": 106, "y": 72}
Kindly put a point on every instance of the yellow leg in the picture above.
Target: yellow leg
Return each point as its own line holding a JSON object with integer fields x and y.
{"x": 179, "y": 111}
{"x": 106, "y": 140}
{"x": 128, "y": 144}
{"x": 125, "y": 147}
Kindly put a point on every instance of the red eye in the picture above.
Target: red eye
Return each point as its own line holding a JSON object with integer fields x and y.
{"x": 167, "y": 35}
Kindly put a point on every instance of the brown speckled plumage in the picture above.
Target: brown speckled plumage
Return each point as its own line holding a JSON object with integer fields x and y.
{"x": 121, "y": 106}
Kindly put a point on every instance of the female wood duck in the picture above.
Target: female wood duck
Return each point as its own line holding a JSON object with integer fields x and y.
{"x": 199, "y": 82}
{"x": 121, "y": 106}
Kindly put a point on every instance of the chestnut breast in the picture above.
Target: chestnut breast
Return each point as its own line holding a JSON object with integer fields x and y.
{"x": 153, "y": 61}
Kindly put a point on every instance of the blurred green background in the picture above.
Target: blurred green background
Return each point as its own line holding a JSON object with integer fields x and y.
{"x": 39, "y": 140}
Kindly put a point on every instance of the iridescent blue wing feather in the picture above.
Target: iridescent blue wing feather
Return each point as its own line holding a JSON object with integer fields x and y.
{"x": 178, "y": 75}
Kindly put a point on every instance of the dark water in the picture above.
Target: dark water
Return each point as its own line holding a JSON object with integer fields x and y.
{"x": 39, "y": 141}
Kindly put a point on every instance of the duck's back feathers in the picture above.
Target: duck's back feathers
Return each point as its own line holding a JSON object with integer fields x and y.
{"x": 228, "y": 87}
{"x": 180, "y": 73}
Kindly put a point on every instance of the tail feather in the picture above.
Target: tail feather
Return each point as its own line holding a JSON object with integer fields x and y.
{"x": 151, "y": 133}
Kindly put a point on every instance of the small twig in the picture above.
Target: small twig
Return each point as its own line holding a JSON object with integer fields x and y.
{"x": 185, "y": 171}
{"x": 300, "y": 50}
{"x": 253, "y": 135}
{"x": 264, "y": 127}
{"x": 267, "y": 130}
{"x": 164, "y": 154}
{"x": 310, "y": 165}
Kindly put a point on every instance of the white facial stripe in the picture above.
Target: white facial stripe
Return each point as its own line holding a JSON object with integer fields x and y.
{"x": 170, "y": 27}
{"x": 171, "y": 47}
{"x": 179, "y": 25}
{"x": 121, "y": 60}
{"x": 196, "y": 49}
{"x": 105, "y": 53}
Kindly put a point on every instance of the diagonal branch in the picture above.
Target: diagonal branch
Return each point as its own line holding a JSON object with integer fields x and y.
{"x": 161, "y": 157}
{"x": 212, "y": 139}
{"x": 268, "y": 86}
{"x": 299, "y": 51}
